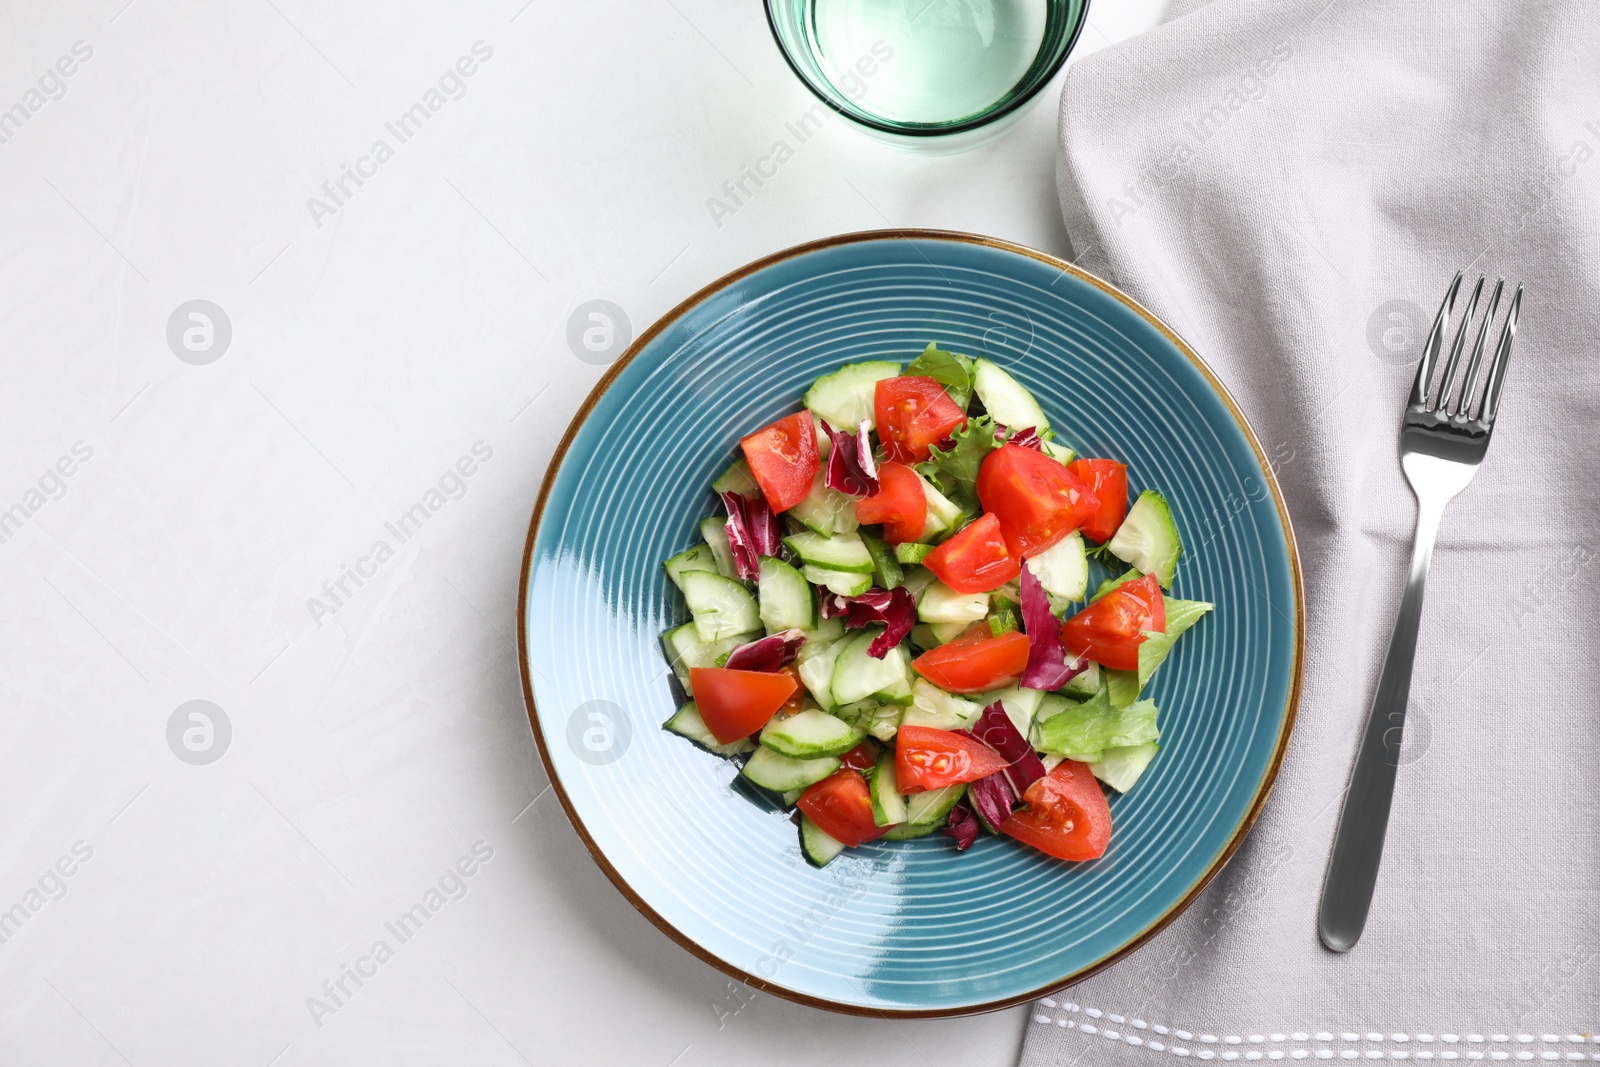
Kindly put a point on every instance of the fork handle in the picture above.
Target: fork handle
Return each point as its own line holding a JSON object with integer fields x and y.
{"x": 1358, "y": 845}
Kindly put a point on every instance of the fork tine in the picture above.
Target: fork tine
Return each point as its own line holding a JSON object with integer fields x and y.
{"x": 1442, "y": 405}
{"x": 1502, "y": 354}
{"x": 1470, "y": 388}
{"x": 1430, "y": 348}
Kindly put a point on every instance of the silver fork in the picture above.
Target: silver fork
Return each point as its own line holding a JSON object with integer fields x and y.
{"x": 1442, "y": 441}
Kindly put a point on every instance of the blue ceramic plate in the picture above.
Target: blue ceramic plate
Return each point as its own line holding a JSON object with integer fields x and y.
{"x": 908, "y": 928}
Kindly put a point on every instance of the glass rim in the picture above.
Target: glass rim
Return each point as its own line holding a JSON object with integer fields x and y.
{"x": 931, "y": 129}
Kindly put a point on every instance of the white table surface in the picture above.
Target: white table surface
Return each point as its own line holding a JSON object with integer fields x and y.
{"x": 377, "y": 740}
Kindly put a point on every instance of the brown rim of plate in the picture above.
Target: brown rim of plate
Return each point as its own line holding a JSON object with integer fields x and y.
{"x": 1290, "y": 706}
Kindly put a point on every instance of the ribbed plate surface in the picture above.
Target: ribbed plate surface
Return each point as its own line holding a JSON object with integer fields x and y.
{"x": 911, "y": 927}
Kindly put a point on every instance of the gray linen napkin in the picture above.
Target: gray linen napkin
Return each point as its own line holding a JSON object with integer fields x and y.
{"x": 1291, "y": 185}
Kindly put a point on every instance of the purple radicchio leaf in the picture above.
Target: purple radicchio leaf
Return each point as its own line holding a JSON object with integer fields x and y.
{"x": 963, "y": 826}
{"x": 768, "y": 653}
{"x": 992, "y": 798}
{"x": 995, "y": 729}
{"x": 752, "y": 533}
{"x": 850, "y": 466}
{"x": 894, "y": 608}
{"x": 1028, "y": 438}
{"x": 1048, "y": 666}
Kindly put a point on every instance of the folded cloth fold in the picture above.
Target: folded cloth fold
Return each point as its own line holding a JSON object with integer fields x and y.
{"x": 1291, "y": 185}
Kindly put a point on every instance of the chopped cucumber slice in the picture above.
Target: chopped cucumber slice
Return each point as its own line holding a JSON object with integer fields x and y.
{"x": 907, "y": 831}
{"x": 885, "y": 567}
{"x": 888, "y": 806}
{"x": 787, "y": 602}
{"x": 815, "y": 664}
{"x": 819, "y": 848}
{"x": 1086, "y": 683}
{"x": 698, "y": 558}
{"x": 791, "y": 796}
{"x": 845, "y": 397}
{"x": 825, "y": 630}
{"x": 932, "y": 807}
{"x": 944, "y": 517}
{"x": 844, "y": 552}
{"x": 917, "y": 581}
{"x": 858, "y": 675}
{"x": 1121, "y": 767}
{"x": 932, "y": 706}
{"x": 810, "y": 734}
{"x": 1060, "y": 453}
{"x": 1020, "y": 705}
{"x": 844, "y": 583}
{"x": 686, "y": 722}
{"x": 825, "y": 511}
{"x": 737, "y": 479}
{"x": 1148, "y": 538}
{"x": 911, "y": 552}
{"x": 1063, "y": 568}
{"x": 940, "y": 603}
{"x": 685, "y": 649}
{"x": 1005, "y": 399}
{"x": 714, "y": 532}
{"x": 886, "y": 723}
{"x": 899, "y": 693}
{"x": 780, "y": 774}
{"x": 945, "y": 632}
{"x": 923, "y": 637}
{"x": 721, "y": 606}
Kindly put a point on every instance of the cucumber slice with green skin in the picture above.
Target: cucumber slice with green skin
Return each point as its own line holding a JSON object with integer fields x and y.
{"x": 686, "y": 722}
{"x": 1084, "y": 684}
{"x": 944, "y": 517}
{"x": 809, "y": 735}
{"x": 1148, "y": 538}
{"x": 1060, "y": 453}
{"x": 685, "y": 649}
{"x": 888, "y": 806}
{"x": 779, "y": 773}
{"x": 1120, "y": 768}
{"x": 816, "y": 845}
{"x": 917, "y": 581}
{"x": 932, "y": 706}
{"x": 736, "y": 479}
{"x": 899, "y": 693}
{"x": 714, "y": 532}
{"x": 698, "y": 558}
{"x": 886, "y": 722}
{"x": 825, "y": 511}
{"x": 858, "y": 675}
{"x": 923, "y": 637}
{"x": 932, "y": 806}
{"x": 911, "y": 552}
{"x": 845, "y": 552}
{"x": 845, "y": 397}
{"x": 1020, "y": 705}
{"x": 815, "y": 664}
{"x": 907, "y": 831}
{"x": 825, "y": 630}
{"x": 843, "y": 583}
{"x": 945, "y": 632}
{"x": 1005, "y": 399}
{"x": 1063, "y": 568}
{"x": 940, "y": 603}
{"x": 786, "y": 600}
{"x": 791, "y": 796}
{"x": 721, "y": 606}
{"x": 885, "y": 567}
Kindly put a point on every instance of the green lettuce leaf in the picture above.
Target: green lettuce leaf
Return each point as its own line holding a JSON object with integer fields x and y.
{"x": 948, "y": 369}
{"x": 1125, "y": 686}
{"x": 1096, "y": 725}
{"x": 955, "y": 472}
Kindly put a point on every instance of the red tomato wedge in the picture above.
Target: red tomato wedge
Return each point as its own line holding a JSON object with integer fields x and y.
{"x": 1036, "y": 499}
{"x": 783, "y": 458}
{"x": 975, "y": 662}
{"x": 975, "y": 560}
{"x": 1065, "y": 815}
{"x": 863, "y": 757}
{"x": 736, "y": 704}
{"x": 899, "y": 504}
{"x": 926, "y": 758}
{"x": 913, "y": 414}
{"x": 841, "y": 805}
{"x": 1110, "y": 630}
{"x": 1108, "y": 481}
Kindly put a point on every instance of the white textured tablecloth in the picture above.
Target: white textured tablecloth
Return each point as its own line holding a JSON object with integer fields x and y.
{"x": 1291, "y": 185}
